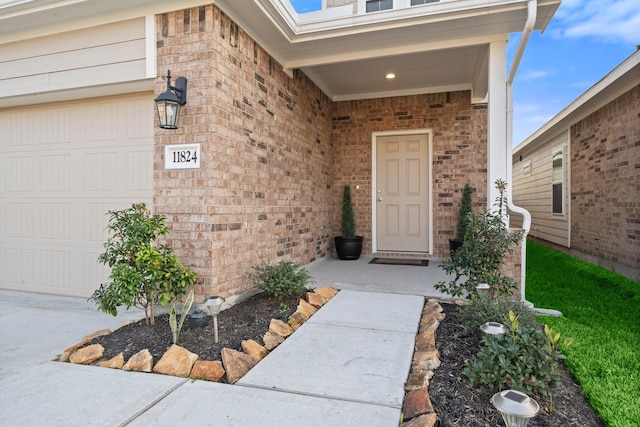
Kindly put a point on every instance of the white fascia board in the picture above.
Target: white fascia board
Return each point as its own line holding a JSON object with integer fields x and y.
{"x": 604, "y": 91}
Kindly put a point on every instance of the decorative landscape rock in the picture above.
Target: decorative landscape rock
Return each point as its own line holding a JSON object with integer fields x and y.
{"x": 297, "y": 319}
{"x": 327, "y": 292}
{"x": 254, "y": 349}
{"x": 272, "y": 340}
{"x": 142, "y": 361}
{"x": 426, "y": 340}
{"x": 209, "y": 370}
{"x": 177, "y": 361}
{"x": 316, "y": 299}
{"x": 87, "y": 354}
{"x": 116, "y": 362}
{"x": 419, "y": 379}
{"x": 417, "y": 408}
{"x": 426, "y": 360}
{"x": 416, "y": 402}
{"x": 64, "y": 357}
{"x": 277, "y": 326}
{"x": 236, "y": 364}
{"x": 425, "y": 420}
{"x": 306, "y": 308}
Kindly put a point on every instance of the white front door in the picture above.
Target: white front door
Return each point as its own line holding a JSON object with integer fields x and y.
{"x": 402, "y": 193}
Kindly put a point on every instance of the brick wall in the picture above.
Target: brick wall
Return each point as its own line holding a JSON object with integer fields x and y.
{"x": 263, "y": 191}
{"x": 605, "y": 181}
{"x": 459, "y": 154}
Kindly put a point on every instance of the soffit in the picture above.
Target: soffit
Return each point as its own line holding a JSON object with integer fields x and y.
{"x": 432, "y": 48}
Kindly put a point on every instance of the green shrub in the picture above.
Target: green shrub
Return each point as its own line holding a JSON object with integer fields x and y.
{"x": 522, "y": 359}
{"x": 142, "y": 274}
{"x": 485, "y": 309}
{"x": 281, "y": 279}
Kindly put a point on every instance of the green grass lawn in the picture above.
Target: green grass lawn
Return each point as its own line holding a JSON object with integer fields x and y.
{"x": 601, "y": 312}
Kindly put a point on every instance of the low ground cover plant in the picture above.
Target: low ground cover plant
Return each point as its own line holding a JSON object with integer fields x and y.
{"x": 524, "y": 358}
{"x": 601, "y": 312}
{"x": 281, "y": 279}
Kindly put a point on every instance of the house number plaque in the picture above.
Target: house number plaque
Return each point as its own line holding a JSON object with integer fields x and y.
{"x": 182, "y": 156}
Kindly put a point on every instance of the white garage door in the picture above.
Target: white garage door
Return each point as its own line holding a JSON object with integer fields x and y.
{"x": 62, "y": 167}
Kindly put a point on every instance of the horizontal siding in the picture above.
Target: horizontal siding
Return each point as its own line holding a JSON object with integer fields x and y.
{"x": 102, "y": 55}
{"x": 533, "y": 192}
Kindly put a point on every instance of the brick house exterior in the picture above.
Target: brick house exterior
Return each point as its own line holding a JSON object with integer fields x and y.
{"x": 599, "y": 136}
{"x": 605, "y": 177}
{"x": 279, "y": 134}
{"x": 264, "y": 191}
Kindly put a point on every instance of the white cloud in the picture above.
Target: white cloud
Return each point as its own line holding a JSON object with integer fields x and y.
{"x": 616, "y": 21}
{"x": 535, "y": 74}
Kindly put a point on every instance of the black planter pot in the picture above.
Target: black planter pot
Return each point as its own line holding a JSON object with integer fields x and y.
{"x": 454, "y": 245}
{"x": 348, "y": 248}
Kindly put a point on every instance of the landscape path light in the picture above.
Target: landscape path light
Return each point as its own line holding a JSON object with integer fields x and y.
{"x": 483, "y": 289}
{"x": 493, "y": 328}
{"x": 516, "y": 407}
{"x": 214, "y": 304}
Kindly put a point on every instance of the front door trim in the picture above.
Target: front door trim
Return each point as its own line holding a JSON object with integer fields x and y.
{"x": 374, "y": 154}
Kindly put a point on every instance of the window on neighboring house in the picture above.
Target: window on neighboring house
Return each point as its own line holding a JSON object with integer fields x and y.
{"x": 419, "y": 2}
{"x": 557, "y": 180}
{"x": 378, "y": 5}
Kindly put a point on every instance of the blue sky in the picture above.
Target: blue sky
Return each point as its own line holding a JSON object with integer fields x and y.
{"x": 585, "y": 40}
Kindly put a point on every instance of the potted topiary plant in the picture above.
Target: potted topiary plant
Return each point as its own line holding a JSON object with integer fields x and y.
{"x": 348, "y": 246}
{"x": 463, "y": 213}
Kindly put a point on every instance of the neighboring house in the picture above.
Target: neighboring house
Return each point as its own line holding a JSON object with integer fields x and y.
{"x": 284, "y": 110}
{"x": 579, "y": 174}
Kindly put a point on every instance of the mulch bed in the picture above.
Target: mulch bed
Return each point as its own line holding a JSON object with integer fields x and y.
{"x": 247, "y": 320}
{"x": 454, "y": 400}
{"x": 457, "y": 403}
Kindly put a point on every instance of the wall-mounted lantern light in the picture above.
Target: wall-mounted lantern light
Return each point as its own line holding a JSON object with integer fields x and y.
{"x": 170, "y": 101}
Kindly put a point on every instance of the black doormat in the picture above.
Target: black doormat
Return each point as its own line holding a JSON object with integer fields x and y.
{"x": 398, "y": 261}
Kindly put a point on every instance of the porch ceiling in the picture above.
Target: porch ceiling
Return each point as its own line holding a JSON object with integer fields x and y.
{"x": 431, "y": 48}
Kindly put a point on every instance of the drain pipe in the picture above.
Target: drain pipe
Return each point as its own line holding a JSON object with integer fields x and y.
{"x": 532, "y": 7}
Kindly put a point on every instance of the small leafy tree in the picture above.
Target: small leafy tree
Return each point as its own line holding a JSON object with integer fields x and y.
{"x": 143, "y": 272}
{"x": 348, "y": 223}
{"x": 487, "y": 242}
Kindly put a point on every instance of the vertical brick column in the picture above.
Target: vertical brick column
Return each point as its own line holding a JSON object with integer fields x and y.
{"x": 263, "y": 192}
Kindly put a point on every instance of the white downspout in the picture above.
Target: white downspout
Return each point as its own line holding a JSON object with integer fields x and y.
{"x": 532, "y": 7}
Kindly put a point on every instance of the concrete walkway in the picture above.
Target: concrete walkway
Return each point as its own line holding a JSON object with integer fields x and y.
{"x": 345, "y": 367}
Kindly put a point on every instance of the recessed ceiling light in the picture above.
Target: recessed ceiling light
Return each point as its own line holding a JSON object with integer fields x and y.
{"x": 390, "y": 76}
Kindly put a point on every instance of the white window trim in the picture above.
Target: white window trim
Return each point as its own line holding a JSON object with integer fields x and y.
{"x": 562, "y": 182}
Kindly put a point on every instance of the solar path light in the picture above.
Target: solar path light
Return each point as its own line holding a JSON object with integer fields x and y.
{"x": 214, "y": 304}
{"x": 515, "y": 407}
